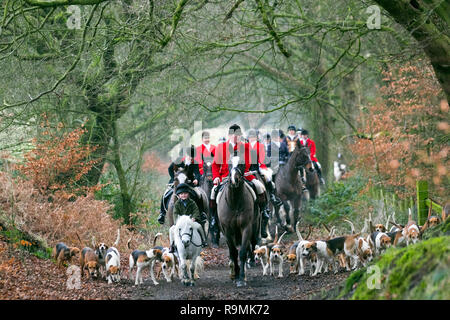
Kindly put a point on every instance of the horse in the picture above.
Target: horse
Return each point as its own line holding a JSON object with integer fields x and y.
{"x": 180, "y": 176}
{"x": 312, "y": 181}
{"x": 289, "y": 185}
{"x": 207, "y": 185}
{"x": 239, "y": 220}
{"x": 188, "y": 245}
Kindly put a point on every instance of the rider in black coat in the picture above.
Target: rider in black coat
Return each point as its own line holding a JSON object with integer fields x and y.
{"x": 193, "y": 179}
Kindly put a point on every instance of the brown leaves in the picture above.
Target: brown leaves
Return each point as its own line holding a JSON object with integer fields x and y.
{"x": 58, "y": 162}
{"x": 413, "y": 122}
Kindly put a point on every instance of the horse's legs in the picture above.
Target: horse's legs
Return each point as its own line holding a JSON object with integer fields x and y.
{"x": 277, "y": 215}
{"x": 297, "y": 203}
{"x": 234, "y": 260}
{"x": 214, "y": 226}
{"x": 245, "y": 244}
{"x": 184, "y": 270}
{"x": 192, "y": 271}
{"x": 287, "y": 209}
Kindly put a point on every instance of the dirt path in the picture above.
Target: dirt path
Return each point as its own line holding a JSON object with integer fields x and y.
{"x": 24, "y": 276}
{"x": 215, "y": 284}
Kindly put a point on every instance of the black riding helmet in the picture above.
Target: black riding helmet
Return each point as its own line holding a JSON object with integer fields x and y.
{"x": 235, "y": 129}
{"x": 183, "y": 187}
{"x": 252, "y": 133}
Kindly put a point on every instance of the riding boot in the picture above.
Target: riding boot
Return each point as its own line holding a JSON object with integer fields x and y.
{"x": 273, "y": 198}
{"x": 264, "y": 213}
{"x": 214, "y": 229}
{"x": 164, "y": 204}
{"x": 264, "y": 221}
{"x": 319, "y": 173}
{"x": 203, "y": 235}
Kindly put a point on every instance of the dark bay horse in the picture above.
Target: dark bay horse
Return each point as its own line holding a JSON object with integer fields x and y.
{"x": 207, "y": 184}
{"x": 312, "y": 181}
{"x": 238, "y": 220}
{"x": 289, "y": 185}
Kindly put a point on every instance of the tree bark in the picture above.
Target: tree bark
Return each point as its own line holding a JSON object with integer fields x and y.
{"x": 428, "y": 22}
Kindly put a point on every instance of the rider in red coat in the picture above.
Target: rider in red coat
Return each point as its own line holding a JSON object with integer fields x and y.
{"x": 205, "y": 151}
{"x": 224, "y": 152}
{"x": 258, "y": 163}
{"x": 306, "y": 141}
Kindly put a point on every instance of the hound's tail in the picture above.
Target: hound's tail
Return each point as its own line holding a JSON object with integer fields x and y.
{"x": 364, "y": 229}
{"x": 279, "y": 240}
{"x": 300, "y": 238}
{"x": 78, "y": 236}
{"x": 309, "y": 232}
{"x": 387, "y": 221}
{"x": 276, "y": 234}
{"x": 351, "y": 225}
{"x": 116, "y": 243}
{"x": 199, "y": 265}
{"x": 158, "y": 235}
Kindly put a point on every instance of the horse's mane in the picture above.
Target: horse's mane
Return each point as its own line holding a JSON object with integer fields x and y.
{"x": 181, "y": 219}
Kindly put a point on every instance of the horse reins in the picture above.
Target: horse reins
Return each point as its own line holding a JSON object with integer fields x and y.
{"x": 190, "y": 237}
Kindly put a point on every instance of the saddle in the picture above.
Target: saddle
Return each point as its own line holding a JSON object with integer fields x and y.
{"x": 247, "y": 184}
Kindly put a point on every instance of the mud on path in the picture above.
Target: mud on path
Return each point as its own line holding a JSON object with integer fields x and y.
{"x": 24, "y": 276}
{"x": 215, "y": 284}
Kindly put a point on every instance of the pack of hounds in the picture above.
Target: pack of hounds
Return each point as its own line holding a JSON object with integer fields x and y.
{"x": 103, "y": 261}
{"x": 350, "y": 251}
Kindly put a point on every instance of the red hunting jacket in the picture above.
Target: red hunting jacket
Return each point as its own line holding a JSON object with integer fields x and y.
{"x": 202, "y": 154}
{"x": 257, "y": 156}
{"x": 224, "y": 152}
{"x": 312, "y": 148}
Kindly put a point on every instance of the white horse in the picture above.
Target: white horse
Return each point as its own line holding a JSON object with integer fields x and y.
{"x": 186, "y": 237}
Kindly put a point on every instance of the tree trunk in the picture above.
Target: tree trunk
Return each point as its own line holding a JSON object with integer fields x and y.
{"x": 99, "y": 135}
{"x": 124, "y": 190}
{"x": 428, "y": 21}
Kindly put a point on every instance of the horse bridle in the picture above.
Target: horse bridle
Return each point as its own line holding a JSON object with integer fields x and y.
{"x": 240, "y": 174}
{"x": 190, "y": 236}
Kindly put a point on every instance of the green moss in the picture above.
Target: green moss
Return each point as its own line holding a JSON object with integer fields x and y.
{"x": 437, "y": 231}
{"x": 418, "y": 271}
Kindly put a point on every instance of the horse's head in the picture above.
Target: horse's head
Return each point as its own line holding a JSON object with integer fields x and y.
{"x": 185, "y": 229}
{"x": 207, "y": 171}
{"x": 180, "y": 176}
{"x": 300, "y": 155}
{"x": 236, "y": 172}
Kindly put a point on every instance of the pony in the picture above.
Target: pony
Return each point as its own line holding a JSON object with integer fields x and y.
{"x": 289, "y": 185}
{"x": 188, "y": 244}
{"x": 239, "y": 220}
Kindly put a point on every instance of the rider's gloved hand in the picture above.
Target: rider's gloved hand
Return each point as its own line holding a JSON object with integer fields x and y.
{"x": 216, "y": 181}
{"x": 203, "y": 217}
{"x": 161, "y": 218}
